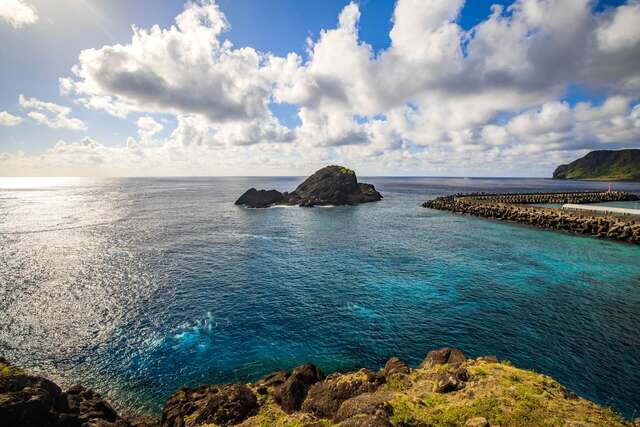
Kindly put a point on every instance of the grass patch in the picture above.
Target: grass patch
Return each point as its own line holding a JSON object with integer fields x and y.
{"x": 346, "y": 171}
{"x": 271, "y": 415}
{"x": 457, "y": 415}
{"x": 397, "y": 382}
{"x": 7, "y": 370}
{"x": 406, "y": 412}
{"x": 504, "y": 395}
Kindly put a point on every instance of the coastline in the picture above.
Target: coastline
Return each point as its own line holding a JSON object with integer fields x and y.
{"x": 447, "y": 388}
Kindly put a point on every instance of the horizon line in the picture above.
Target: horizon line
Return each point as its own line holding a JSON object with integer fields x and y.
{"x": 277, "y": 176}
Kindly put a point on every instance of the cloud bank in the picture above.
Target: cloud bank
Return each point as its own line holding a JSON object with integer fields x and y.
{"x": 439, "y": 99}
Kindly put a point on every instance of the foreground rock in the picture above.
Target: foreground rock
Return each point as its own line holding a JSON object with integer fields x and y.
{"x": 447, "y": 388}
{"x": 324, "y": 398}
{"x": 294, "y": 390}
{"x": 443, "y": 356}
{"x": 32, "y": 401}
{"x": 332, "y": 185}
{"x": 517, "y": 208}
{"x": 223, "y": 405}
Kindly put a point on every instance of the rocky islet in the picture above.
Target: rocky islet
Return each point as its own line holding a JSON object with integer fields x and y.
{"x": 331, "y": 185}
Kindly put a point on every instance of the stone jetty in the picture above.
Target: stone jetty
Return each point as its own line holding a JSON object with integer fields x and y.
{"x": 518, "y": 207}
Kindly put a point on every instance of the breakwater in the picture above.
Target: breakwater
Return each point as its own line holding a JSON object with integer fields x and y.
{"x": 516, "y": 207}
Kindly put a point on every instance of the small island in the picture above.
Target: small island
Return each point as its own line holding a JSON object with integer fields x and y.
{"x": 603, "y": 165}
{"x": 329, "y": 186}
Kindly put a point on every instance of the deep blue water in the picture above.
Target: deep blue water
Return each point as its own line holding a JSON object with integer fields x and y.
{"x": 138, "y": 286}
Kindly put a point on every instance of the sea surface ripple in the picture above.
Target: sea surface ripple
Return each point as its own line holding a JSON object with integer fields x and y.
{"x": 138, "y": 286}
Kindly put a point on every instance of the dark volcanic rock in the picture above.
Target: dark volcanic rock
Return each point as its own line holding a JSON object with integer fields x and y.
{"x": 324, "y": 398}
{"x": 272, "y": 383}
{"x": 27, "y": 400}
{"x": 446, "y": 355}
{"x": 366, "y": 404}
{"x": 85, "y": 404}
{"x": 331, "y": 185}
{"x": 222, "y": 404}
{"x": 259, "y": 199}
{"x": 395, "y": 366}
{"x": 448, "y": 381}
{"x": 295, "y": 388}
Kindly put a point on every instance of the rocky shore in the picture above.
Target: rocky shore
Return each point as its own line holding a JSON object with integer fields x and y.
{"x": 331, "y": 185}
{"x": 516, "y": 207}
{"x": 446, "y": 389}
{"x": 33, "y": 401}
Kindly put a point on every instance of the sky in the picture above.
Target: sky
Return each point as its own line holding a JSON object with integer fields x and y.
{"x": 283, "y": 87}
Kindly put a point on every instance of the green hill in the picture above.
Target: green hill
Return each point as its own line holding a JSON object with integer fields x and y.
{"x": 603, "y": 165}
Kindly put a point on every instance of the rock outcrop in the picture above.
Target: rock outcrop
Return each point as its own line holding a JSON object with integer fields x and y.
{"x": 331, "y": 185}
{"x": 325, "y": 397}
{"x": 517, "y": 208}
{"x": 603, "y": 165}
{"x": 224, "y": 405}
{"x": 33, "y": 401}
{"x": 395, "y": 366}
{"x": 447, "y": 388}
{"x": 448, "y": 356}
{"x": 259, "y": 198}
{"x": 294, "y": 390}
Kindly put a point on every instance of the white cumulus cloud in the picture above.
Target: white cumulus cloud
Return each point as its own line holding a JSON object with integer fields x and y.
{"x": 183, "y": 69}
{"x": 52, "y": 115}
{"x": 17, "y": 13}
{"x": 439, "y": 99}
{"x": 9, "y": 120}
{"x": 148, "y": 127}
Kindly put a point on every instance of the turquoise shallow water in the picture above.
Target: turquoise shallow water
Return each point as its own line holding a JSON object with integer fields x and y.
{"x": 138, "y": 286}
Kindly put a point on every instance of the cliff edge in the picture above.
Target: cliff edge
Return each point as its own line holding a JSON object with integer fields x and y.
{"x": 446, "y": 389}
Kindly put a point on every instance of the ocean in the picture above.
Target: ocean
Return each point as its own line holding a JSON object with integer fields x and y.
{"x": 136, "y": 286}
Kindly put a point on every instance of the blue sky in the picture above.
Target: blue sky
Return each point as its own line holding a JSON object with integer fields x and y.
{"x": 35, "y": 55}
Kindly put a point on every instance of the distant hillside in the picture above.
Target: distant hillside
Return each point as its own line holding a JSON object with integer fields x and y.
{"x": 604, "y": 165}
